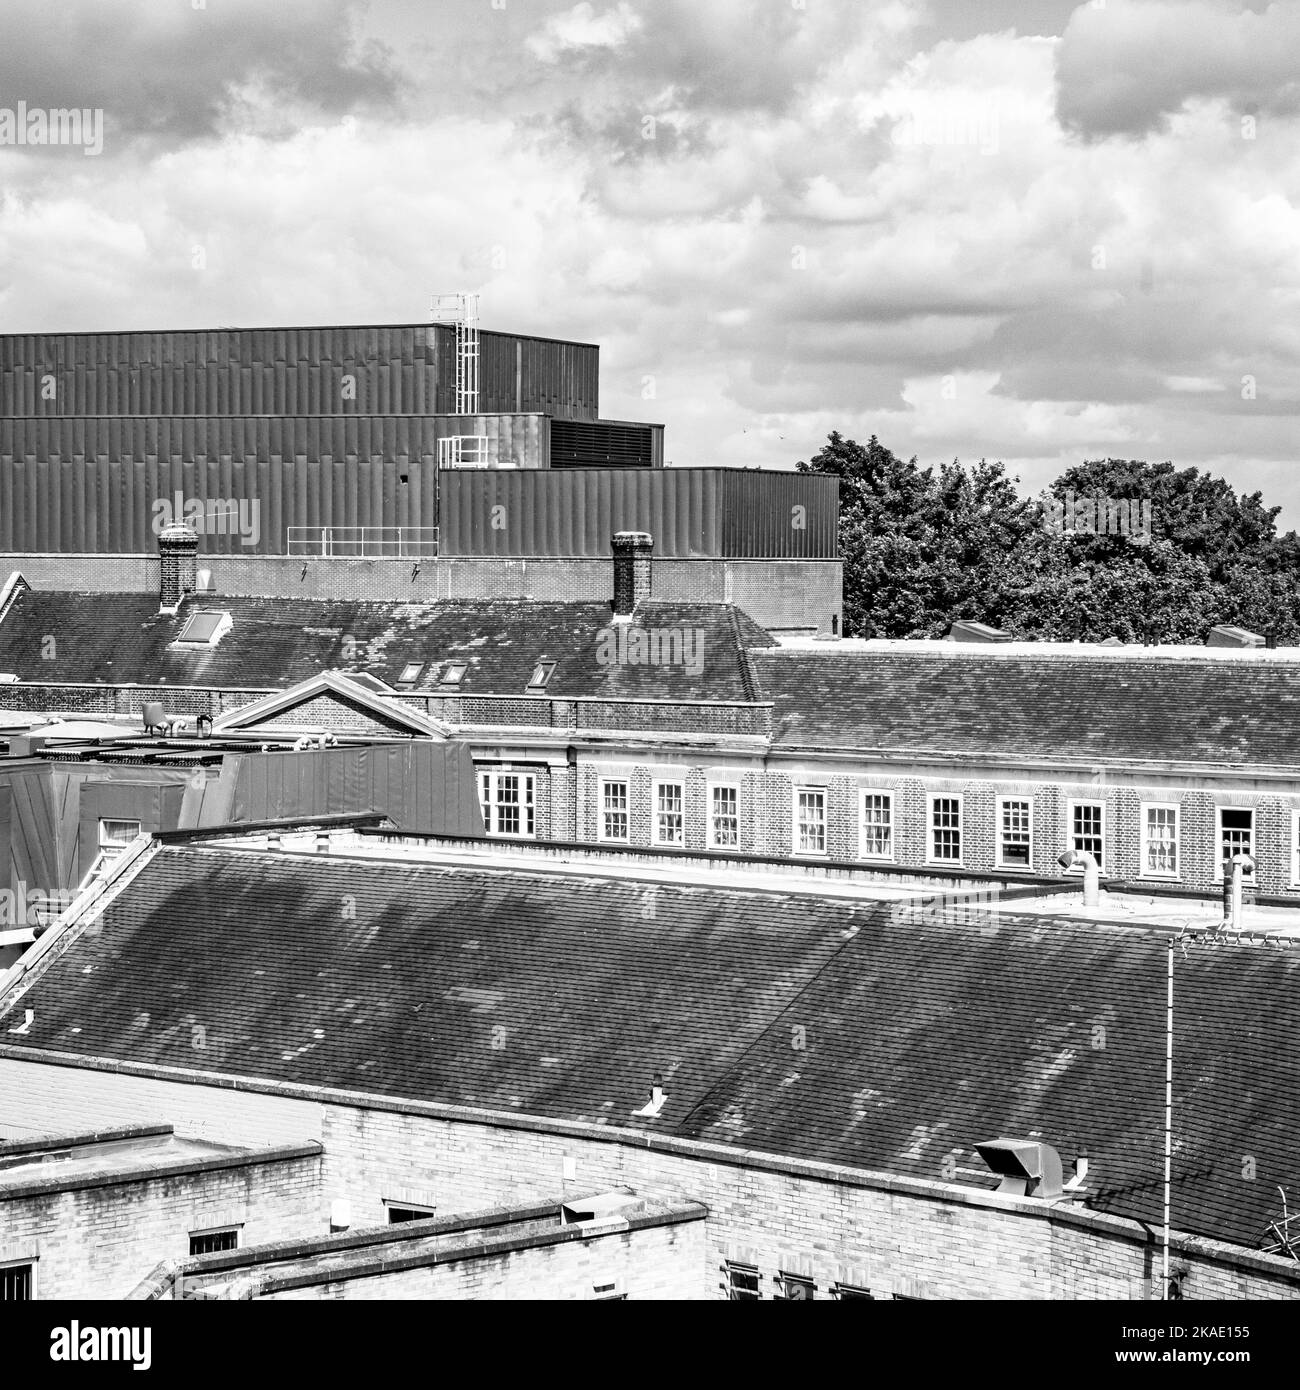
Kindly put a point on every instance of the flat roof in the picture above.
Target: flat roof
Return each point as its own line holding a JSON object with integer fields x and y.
{"x": 52, "y": 1163}
{"x": 1000, "y": 651}
{"x": 282, "y": 328}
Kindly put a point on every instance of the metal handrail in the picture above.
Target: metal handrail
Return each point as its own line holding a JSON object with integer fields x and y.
{"x": 363, "y": 542}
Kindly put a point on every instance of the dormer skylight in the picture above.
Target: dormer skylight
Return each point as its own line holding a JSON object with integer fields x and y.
{"x": 204, "y": 629}
{"x": 410, "y": 673}
{"x": 541, "y": 675}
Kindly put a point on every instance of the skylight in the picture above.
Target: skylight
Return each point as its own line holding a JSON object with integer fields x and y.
{"x": 541, "y": 674}
{"x": 410, "y": 672}
{"x": 455, "y": 673}
{"x": 204, "y": 629}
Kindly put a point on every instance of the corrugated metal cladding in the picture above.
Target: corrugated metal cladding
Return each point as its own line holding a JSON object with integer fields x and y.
{"x": 690, "y": 512}
{"x": 406, "y": 369}
{"x": 421, "y": 786}
{"x": 792, "y": 515}
{"x": 92, "y": 485}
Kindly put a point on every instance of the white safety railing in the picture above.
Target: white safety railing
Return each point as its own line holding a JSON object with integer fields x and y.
{"x": 465, "y": 451}
{"x": 364, "y": 542}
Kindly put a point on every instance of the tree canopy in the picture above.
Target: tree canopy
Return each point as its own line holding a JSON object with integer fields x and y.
{"x": 1114, "y": 548}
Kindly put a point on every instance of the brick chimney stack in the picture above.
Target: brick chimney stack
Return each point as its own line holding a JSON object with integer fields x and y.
{"x": 632, "y": 554}
{"x": 178, "y": 551}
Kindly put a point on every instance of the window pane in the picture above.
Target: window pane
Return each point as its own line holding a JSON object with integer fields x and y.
{"x": 811, "y": 826}
{"x": 214, "y": 1240}
{"x": 945, "y": 827}
{"x": 1086, "y": 833}
{"x": 507, "y": 802}
{"x": 725, "y": 818}
{"x": 1162, "y": 840}
{"x": 742, "y": 1283}
{"x": 669, "y": 823}
{"x": 877, "y": 825}
{"x": 614, "y": 814}
{"x": 1014, "y": 833}
{"x": 397, "y": 1215}
{"x": 1237, "y": 828}
{"x": 16, "y": 1284}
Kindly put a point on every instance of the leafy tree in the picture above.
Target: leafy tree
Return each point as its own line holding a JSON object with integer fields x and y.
{"x": 922, "y": 549}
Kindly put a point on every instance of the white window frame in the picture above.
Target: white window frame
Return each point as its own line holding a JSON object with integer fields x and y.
{"x": 655, "y": 785}
{"x": 601, "y": 835}
{"x": 392, "y": 1204}
{"x": 710, "y": 788}
{"x": 1070, "y": 809}
{"x": 110, "y": 847}
{"x": 1250, "y": 875}
{"x": 1144, "y": 841}
{"x": 999, "y": 846}
{"x": 931, "y": 798}
{"x": 490, "y": 804}
{"x": 32, "y": 1261}
{"x": 795, "y": 847}
{"x": 862, "y": 825}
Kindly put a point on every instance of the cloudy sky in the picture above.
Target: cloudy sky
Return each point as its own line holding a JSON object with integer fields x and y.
{"x": 1033, "y": 230}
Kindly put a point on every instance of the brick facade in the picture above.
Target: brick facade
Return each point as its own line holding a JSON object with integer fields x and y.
{"x": 777, "y": 594}
{"x": 767, "y": 817}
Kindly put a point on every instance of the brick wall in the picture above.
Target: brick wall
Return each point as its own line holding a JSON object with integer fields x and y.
{"x": 908, "y": 1236}
{"x": 775, "y": 593}
{"x": 330, "y": 713}
{"x": 99, "y": 1242}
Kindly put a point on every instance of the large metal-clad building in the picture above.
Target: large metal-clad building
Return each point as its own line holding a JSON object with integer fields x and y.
{"x": 365, "y": 446}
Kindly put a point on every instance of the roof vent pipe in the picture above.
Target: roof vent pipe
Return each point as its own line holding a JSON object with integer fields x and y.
{"x": 1091, "y": 874}
{"x": 1235, "y": 876}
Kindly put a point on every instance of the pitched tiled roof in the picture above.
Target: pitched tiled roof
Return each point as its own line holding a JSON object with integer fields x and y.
{"x": 918, "y": 1040}
{"x": 272, "y": 643}
{"x": 1045, "y": 707}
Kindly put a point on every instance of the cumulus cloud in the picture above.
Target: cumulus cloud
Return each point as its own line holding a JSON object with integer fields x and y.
{"x": 582, "y": 29}
{"x": 175, "y": 73}
{"x": 1126, "y": 68}
{"x": 838, "y": 218}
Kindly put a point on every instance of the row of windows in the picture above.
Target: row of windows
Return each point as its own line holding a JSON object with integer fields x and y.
{"x": 508, "y": 804}
{"x": 745, "y": 1284}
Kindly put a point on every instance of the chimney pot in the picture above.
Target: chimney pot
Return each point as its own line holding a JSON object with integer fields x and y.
{"x": 633, "y": 551}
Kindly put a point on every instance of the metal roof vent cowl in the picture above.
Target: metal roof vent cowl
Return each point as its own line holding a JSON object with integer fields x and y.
{"x": 1027, "y": 1167}
{"x": 633, "y": 552}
